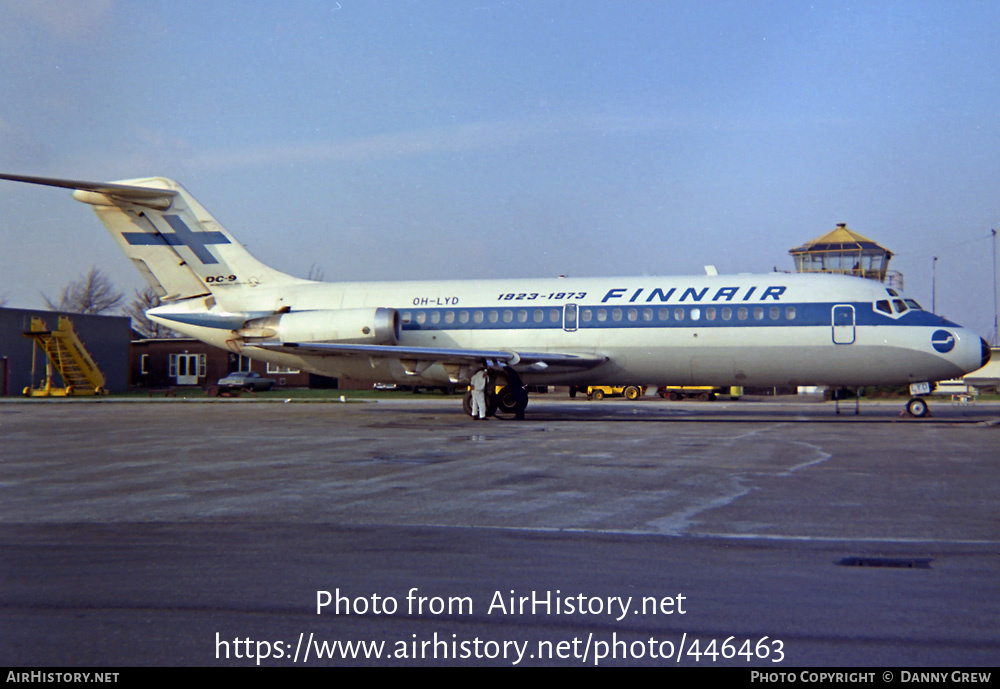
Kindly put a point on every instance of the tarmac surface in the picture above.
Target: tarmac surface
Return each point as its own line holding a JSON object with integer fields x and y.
{"x": 752, "y": 534}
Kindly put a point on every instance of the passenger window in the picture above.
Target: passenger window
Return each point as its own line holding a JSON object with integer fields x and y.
{"x": 758, "y": 313}
{"x": 695, "y": 314}
{"x": 710, "y": 314}
{"x": 727, "y": 313}
{"x": 463, "y": 316}
{"x": 493, "y": 316}
{"x": 421, "y": 317}
{"x": 633, "y": 315}
{"x": 406, "y": 316}
{"x": 449, "y": 316}
{"x": 586, "y": 315}
{"x": 522, "y": 316}
{"x": 790, "y": 313}
{"x": 647, "y": 314}
{"x": 664, "y": 314}
{"x": 539, "y": 316}
{"x": 602, "y": 315}
{"x": 554, "y": 315}
{"x": 508, "y": 316}
{"x": 775, "y": 313}
{"x": 435, "y": 317}
{"x": 477, "y": 316}
{"x": 678, "y": 314}
{"x": 616, "y": 314}
{"x": 742, "y": 313}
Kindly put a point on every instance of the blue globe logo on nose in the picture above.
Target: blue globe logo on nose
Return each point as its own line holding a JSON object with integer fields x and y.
{"x": 943, "y": 341}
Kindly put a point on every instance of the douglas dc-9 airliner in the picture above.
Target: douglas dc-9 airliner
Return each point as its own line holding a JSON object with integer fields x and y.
{"x": 774, "y": 329}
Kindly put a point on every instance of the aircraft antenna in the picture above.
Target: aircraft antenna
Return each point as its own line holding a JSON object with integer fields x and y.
{"x": 934, "y": 285}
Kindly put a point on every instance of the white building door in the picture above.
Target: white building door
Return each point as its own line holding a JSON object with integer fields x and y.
{"x": 186, "y": 368}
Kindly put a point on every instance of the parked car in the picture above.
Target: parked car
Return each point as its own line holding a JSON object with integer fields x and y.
{"x": 245, "y": 380}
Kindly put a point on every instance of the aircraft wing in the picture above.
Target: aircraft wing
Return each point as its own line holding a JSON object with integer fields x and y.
{"x": 519, "y": 360}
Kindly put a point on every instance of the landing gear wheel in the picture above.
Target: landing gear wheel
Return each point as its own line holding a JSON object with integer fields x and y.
{"x": 491, "y": 404}
{"x": 917, "y": 407}
{"x": 506, "y": 401}
{"x": 632, "y": 392}
{"x": 598, "y": 395}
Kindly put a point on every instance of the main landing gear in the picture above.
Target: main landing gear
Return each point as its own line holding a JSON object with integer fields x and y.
{"x": 504, "y": 398}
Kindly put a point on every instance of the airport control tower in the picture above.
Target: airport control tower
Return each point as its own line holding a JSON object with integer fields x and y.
{"x": 846, "y": 252}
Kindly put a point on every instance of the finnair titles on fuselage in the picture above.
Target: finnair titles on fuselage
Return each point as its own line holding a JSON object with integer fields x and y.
{"x": 770, "y": 329}
{"x": 642, "y": 295}
{"x": 727, "y": 294}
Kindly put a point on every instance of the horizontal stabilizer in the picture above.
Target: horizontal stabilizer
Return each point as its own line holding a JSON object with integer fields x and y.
{"x": 138, "y": 195}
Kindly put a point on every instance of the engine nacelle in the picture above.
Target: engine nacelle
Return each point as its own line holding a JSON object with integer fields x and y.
{"x": 345, "y": 326}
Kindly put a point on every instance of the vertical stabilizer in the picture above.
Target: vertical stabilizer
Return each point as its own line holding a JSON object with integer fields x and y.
{"x": 179, "y": 248}
{"x": 176, "y": 244}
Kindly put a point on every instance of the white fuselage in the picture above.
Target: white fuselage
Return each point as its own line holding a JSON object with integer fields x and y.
{"x": 755, "y": 330}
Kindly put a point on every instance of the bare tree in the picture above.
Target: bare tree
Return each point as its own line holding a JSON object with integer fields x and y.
{"x": 145, "y": 300}
{"x": 93, "y": 293}
{"x": 315, "y": 273}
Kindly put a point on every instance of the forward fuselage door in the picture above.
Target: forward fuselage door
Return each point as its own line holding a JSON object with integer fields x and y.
{"x": 843, "y": 324}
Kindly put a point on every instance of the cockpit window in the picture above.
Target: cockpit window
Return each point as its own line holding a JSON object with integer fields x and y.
{"x": 913, "y": 304}
{"x": 883, "y": 306}
{"x": 892, "y": 292}
{"x": 899, "y": 305}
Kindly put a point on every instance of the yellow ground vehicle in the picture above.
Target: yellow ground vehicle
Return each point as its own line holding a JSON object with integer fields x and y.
{"x": 702, "y": 392}
{"x": 629, "y": 392}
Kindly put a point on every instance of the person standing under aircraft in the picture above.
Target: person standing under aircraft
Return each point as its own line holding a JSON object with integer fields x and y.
{"x": 478, "y": 384}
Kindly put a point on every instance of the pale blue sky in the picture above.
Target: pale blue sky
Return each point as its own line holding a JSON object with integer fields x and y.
{"x": 410, "y": 139}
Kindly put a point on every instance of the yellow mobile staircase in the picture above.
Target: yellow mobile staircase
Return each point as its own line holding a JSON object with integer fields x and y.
{"x": 67, "y": 356}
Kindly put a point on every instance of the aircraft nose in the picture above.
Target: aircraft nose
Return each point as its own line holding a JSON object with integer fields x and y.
{"x": 986, "y": 352}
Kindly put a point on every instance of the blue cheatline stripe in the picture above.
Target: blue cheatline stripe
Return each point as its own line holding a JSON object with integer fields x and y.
{"x": 768, "y": 315}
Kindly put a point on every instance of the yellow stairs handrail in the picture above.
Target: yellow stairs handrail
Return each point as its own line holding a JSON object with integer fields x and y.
{"x": 66, "y": 355}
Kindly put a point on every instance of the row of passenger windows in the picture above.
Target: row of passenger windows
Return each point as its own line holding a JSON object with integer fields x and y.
{"x": 482, "y": 316}
{"x": 695, "y": 313}
{"x": 600, "y": 315}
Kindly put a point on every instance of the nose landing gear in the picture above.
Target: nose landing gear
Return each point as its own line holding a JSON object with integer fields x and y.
{"x": 917, "y": 407}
